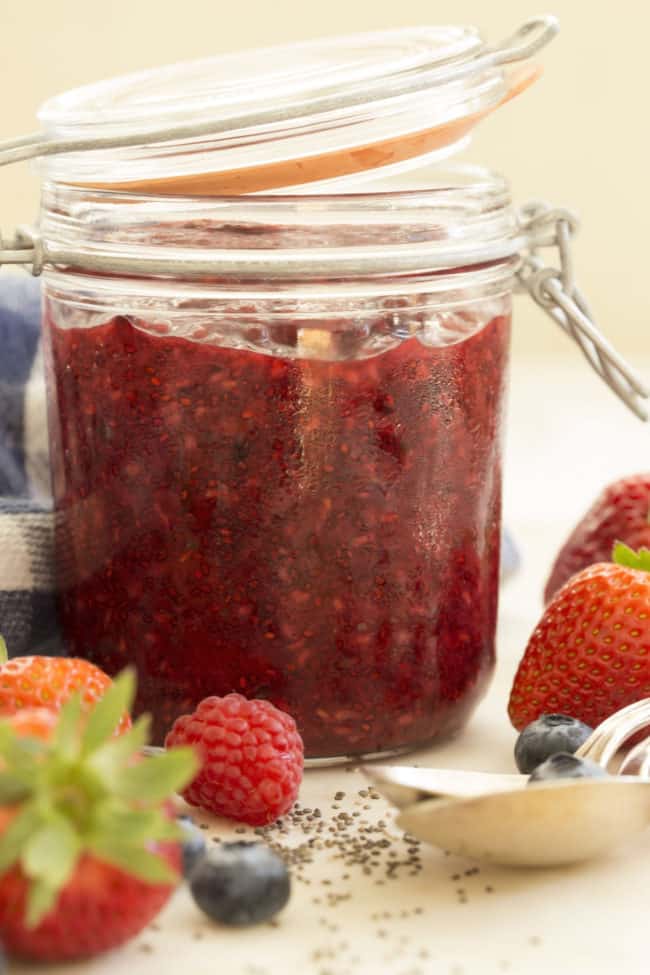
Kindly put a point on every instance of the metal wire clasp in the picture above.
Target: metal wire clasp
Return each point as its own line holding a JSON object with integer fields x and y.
{"x": 554, "y": 289}
{"x": 23, "y": 248}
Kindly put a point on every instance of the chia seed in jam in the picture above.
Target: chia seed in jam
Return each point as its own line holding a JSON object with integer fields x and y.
{"x": 324, "y": 534}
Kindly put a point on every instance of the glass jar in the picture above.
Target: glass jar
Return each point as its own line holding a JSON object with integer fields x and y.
{"x": 276, "y": 395}
{"x": 288, "y": 487}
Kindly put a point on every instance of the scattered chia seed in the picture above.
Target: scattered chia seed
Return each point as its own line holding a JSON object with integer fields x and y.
{"x": 357, "y": 848}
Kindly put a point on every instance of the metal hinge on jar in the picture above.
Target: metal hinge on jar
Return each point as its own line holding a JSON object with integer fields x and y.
{"x": 23, "y": 248}
{"x": 554, "y": 289}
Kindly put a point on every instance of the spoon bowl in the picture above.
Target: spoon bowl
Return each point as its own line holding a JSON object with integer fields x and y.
{"x": 545, "y": 825}
{"x": 495, "y": 817}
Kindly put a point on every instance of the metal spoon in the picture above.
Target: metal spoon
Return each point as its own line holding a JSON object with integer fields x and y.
{"x": 491, "y": 816}
{"x": 549, "y": 824}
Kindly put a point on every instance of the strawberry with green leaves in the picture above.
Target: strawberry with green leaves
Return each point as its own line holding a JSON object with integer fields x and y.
{"x": 48, "y": 682}
{"x": 590, "y": 653}
{"x": 89, "y": 851}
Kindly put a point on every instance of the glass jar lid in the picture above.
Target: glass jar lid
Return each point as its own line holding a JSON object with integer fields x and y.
{"x": 285, "y": 116}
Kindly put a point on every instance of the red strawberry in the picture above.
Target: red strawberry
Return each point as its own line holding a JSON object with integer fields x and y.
{"x": 48, "y": 682}
{"x": 590, "y": 653}
{"x": 99, "y": 909}
{"x": 620, "y": 513}
{"x": 88, "y": 852}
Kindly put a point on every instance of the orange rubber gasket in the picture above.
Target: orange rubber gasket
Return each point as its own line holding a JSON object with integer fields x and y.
{"x": 309, "y": 169}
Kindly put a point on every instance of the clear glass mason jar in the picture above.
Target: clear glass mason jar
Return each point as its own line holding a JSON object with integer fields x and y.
{"x": 276, "y": 393}
{"x": 288, "y": 487}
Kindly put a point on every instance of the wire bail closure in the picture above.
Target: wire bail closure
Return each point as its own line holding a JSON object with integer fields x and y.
{"x": 23, "y": 248}
{"x": 554, "y": 289}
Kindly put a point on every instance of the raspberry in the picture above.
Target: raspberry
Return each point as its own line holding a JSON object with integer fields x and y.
{"x": 252, "y": 758}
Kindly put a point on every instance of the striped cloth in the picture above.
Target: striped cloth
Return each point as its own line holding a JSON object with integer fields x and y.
{"x": 27, "y": 611}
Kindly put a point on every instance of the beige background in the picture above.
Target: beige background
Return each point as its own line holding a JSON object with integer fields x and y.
{"x": 579, "y": 138}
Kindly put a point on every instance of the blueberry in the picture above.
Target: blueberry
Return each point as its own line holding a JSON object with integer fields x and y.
{"x": 241, "y": 883}
{"x": 551, "y": 733}
{"x": 193, "y": 844}
{"x": 562, "y": 765}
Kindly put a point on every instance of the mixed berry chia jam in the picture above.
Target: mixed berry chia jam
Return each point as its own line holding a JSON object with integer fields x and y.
{"x": 320, "y": 532}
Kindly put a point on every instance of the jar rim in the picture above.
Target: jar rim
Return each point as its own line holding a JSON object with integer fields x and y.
{"x": 462, "y": 217}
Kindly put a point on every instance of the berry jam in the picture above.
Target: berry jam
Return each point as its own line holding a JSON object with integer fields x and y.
{"x": 324, "y": 534}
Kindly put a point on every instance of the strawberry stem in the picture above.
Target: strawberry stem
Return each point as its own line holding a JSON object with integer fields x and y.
{"x": 623, "y": 555}
{"x": 84, "y": 790}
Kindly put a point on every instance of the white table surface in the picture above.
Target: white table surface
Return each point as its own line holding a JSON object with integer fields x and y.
{"x": 567, "y": 438}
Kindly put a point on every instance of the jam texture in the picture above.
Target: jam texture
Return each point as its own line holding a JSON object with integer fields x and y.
{"x": 324, "y": 534}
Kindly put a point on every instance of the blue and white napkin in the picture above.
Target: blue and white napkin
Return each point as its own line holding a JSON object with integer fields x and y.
{"x": 27, "y": 611}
